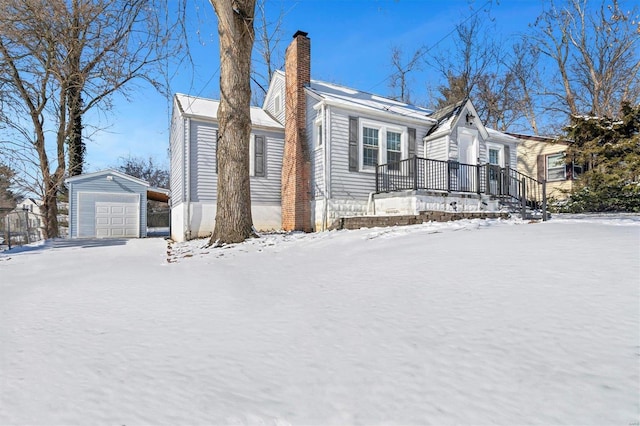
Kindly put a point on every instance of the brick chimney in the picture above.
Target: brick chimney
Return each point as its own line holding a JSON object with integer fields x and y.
{"x": 296, "y": 178}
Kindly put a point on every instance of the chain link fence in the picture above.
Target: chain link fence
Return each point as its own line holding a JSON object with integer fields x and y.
{"x": 19, "y": 228}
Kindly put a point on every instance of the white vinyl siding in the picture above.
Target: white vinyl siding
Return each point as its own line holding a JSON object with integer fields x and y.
{"x": 276, "y": 92}
{"x": 178, "y": 163}
{"x": 317, "y": 155}
{"x": 266, "y": 189}
{"x": 437, "y": 149}
{"x": 348, "y": 185}
{"x": 202, "y": 157}
{"x": 204, "y": 179}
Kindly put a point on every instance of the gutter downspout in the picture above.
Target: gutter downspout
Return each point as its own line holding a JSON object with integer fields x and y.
{"x": 326, "y": 152}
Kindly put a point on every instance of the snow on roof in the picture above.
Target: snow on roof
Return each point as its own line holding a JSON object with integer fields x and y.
{"x": 445, "y": 117}
{"x": 501, "y": 135}
{"x": 349, "y": 97}
{"x": 194, "y": 106}
{"x": 106, "y": 172}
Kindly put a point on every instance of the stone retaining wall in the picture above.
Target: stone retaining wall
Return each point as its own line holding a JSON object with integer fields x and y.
{"x": 357, "y": 222}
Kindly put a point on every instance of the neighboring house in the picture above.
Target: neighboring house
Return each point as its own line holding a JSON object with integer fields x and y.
{"x": 337, "y": 151}
{"x": 109, "y": 204}
{"x": 28, "y": 210}
{"x": 545, "y": 159}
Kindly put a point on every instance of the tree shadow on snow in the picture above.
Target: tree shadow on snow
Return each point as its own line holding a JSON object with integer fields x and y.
{"x": 67, "y": 243}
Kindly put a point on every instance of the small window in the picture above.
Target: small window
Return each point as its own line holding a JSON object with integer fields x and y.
{"x": 276, "y": 105}
{"x": 556, "y": 169}
{"x": 257, "y": 164}
{"x": 577, "y": 171}
{"x": 318, "y": 133}
{"x": 494, "y": 156}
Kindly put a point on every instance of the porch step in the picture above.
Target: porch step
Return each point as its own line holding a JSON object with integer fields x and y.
{"x": 357, "y": 222}
{"x": 514, "y": 206}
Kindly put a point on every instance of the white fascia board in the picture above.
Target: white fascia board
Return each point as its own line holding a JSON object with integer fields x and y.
{"x": 107, "y": 172}
{"x": 206, "y": 119}
{"x": 436, "y": 135}
{"x": 277, "y": 74}
{"x": 384, "y": 116}
{"x": 496, "y": 135}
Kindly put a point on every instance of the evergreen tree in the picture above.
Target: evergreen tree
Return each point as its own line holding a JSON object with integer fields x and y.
{"x": 609, "y": 149}
{"x": 7, "y": 197}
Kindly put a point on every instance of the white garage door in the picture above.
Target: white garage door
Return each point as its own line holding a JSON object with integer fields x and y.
{"x": 117, "y": 220}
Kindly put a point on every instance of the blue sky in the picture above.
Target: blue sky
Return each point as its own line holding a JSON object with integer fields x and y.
{"x": 350, "y": 45}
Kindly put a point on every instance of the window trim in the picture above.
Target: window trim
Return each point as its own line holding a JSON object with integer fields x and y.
{"x": 500, "y": 149}
{"x": 277, "y": 106}
{"x": 317, "y": 133}
{"x": 382, "y": 128}
{"x": 252, "y": 156}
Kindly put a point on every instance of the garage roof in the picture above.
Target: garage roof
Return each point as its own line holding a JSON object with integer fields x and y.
{"x": 154, "y": 194}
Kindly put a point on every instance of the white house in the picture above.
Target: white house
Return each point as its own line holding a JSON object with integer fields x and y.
{"x": 194, "y": 177}
{"x": 331, "y": 151}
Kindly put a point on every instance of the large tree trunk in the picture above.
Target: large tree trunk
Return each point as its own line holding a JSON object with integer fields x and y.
{"x": 235, "y": 29}
{"x": 77, "y": 147}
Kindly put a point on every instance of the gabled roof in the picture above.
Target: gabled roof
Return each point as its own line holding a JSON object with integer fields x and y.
{"x": 498, "y": 135}
{"x": 353, "y": 98}
{"x": 31, "y": 200}
{"x": 446, "y": 115}
{"x": 105, "y": 173}
{"x": 196, "y": 107}
{"x": 153, "y": 193}
{"x": 537, "y": 138}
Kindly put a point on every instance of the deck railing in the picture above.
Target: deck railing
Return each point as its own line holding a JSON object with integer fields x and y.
{"x": 508, "y": 184}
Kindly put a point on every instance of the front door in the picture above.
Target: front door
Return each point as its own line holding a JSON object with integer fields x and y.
{"x": 468, "y": 159}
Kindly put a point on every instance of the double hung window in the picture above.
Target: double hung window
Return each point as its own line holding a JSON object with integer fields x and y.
{"x": 556, "y": 169}
{"x": 381, "y": 144}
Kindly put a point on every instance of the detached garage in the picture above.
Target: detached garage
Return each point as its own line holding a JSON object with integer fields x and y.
{"x": 107, "y": 204}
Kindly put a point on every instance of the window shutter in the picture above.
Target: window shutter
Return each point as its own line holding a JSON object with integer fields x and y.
{"x": 412, "y": 142}
{"x": 259, "y": 156}
{"x": 541, "y": 167}
{"x": 215, "y": 147}
{"x": 507, "y": 156}
{"x": 353, "y": 144}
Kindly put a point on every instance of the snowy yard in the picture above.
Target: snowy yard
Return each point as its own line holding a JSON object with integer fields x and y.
{"x": 472, "y": 322}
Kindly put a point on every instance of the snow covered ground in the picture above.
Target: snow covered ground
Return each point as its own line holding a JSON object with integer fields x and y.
{"x": 471, "y": 322}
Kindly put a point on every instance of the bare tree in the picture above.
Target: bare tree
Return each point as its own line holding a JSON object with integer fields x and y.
{"x": 499, "y": 101}
{"x": 268, "y": 55}
{"x": 145, "y": 169}
{"x": 473, "y": 56}
{"x": 399, "y": 79}
{"x": 60, "y": 59}
{"x": 595, "y": 54}
{"x": 236, "y": 32}
{"x": 524, "y": 68}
